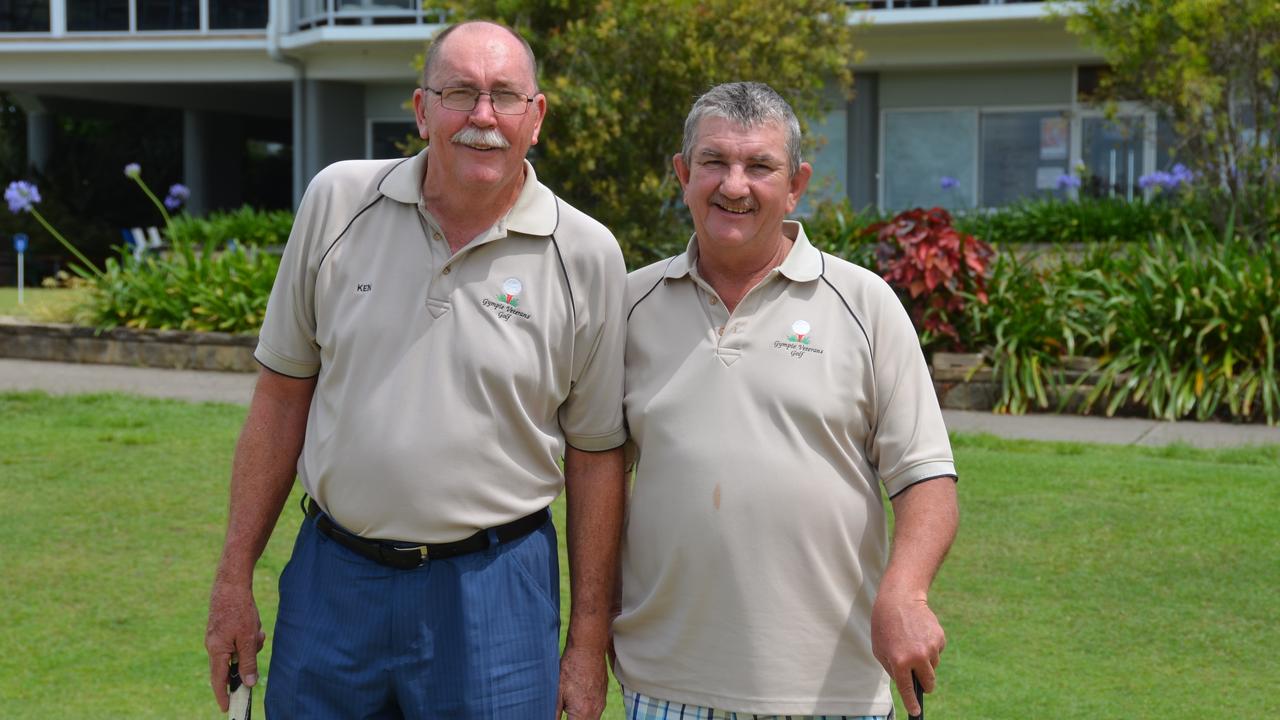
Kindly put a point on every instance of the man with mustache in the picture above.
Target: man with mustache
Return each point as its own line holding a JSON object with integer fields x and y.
{"x": 442, "y": 330}
{"x": 772, "y": 390}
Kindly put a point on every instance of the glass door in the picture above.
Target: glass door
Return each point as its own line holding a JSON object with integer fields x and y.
{"x": 1114, "y": 154}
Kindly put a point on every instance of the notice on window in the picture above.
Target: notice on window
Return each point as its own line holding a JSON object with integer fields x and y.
{"x": 1047, "y": 177}
{"x": 1054, "y": 133}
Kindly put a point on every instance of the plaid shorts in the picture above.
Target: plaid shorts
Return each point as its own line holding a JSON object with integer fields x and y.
{"x": 643, "y": 707}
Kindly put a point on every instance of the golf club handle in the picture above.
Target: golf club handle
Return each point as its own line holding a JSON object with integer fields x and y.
{"x": 919, "y": 692}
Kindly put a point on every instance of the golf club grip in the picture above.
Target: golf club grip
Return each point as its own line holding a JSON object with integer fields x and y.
{"x": 919, "y": 691}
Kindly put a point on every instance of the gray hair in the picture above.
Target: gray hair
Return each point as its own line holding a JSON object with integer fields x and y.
{"x": 433, "y": 50}
{"x": 749, "y": 105}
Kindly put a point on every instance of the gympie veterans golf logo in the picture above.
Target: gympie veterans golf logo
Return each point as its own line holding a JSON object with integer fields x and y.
{"x": 507, "y": 302}
{"x": 799, "y": 341}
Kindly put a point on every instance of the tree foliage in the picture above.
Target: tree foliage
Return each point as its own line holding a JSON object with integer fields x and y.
{"x": 620, "y": 76}
{"x": 1213, "y": 68}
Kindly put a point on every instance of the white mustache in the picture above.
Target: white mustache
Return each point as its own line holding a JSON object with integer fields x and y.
{"x": 478, "y": 137}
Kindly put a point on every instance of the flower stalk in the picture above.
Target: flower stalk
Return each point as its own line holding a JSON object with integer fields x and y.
{"x": 65, "y": 243}
{"x": 22, "y": 196}
{"x": 133, "y": 171}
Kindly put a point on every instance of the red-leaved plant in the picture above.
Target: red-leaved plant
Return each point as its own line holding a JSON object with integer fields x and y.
{"x": 935, "y": 267}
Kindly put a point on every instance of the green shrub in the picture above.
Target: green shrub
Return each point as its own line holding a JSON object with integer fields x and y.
{"x": 1181, "y": 326}
{"x": 1195, "y": 323}
{"x": 1040, "y": 310}
{"x": 1085, "y": 221}
{"x": 247, "y": 226}
{"x": 187, "y": 288}
{"x": 835, "y": 227}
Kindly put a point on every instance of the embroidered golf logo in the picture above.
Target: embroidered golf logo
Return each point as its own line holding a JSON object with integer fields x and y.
{"x": 799, "y": 341}
{"x": 507, "y": 302}
{"x": 511, "y": 292}
{"x": 800, "y": 330}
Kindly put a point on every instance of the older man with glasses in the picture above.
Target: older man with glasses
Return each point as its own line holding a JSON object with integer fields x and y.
{"x": 442, "y": 331}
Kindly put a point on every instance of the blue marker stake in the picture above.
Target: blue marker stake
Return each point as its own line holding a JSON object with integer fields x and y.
{"x": 20, "y": 246}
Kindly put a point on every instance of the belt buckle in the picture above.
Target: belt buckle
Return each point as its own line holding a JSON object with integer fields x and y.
{"x": 420, "y": 550}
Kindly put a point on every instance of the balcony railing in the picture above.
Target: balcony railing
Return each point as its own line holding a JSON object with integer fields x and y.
{"x": 315, "y": 13}
{"x": 115, "y": 17}
{"x": 907, "y": 4}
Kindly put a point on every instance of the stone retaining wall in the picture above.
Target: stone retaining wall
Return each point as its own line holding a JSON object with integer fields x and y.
{"x": 221, "y": 351}
{"x": 123, "y": 346}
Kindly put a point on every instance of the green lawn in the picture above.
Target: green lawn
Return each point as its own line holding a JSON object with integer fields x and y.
{"x": 1087, "y": 582}
{"x": 41, "y": 304}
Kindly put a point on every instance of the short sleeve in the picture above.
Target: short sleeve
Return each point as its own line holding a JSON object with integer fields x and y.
{"x": 591, "y": 415}
{"x": 910, "y": 442}
{"x": 287, "y": 341}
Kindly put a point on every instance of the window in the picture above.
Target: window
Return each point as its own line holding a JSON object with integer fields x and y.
{"x": 1113, "y": 153}
{"x": 237, "y": 14}
{"x": 168, "y": 14}
{"x": 383, "y": 136}
{"x": 830, "y": 161}
{"x": 97, "y": 15}
{"x": 930, "y": 159}
{"x": 1024, "y": 154}
{"x": 24, "y": 15}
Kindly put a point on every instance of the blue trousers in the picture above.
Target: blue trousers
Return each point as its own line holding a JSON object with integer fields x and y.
{"x": 475, "y": 636}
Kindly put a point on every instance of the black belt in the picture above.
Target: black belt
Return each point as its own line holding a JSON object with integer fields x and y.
{"x": 404, "y": 556}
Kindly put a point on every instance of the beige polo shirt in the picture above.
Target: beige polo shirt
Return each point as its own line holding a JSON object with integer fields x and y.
{"x": 756, "y": 535}
{"x": 448, "y": 385}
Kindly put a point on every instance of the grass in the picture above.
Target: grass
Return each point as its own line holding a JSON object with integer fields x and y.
{"x": 1088, "y": 581}
{"x": 41, "y": 304}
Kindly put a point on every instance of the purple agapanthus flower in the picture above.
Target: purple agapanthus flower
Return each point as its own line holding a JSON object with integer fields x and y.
{"x": 172, "y": 202}
{"x": 21, "y": 195}
{"x": 949, "y": 182}
{"x": 132, "y": 170}
{"x": 1178, "y": 175}
{"x": 180, "y": 191}
{"x": 1149, "y": 180}
{"x": 1067, "y": 181}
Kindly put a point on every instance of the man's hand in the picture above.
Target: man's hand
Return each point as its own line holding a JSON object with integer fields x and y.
{"x": 906, "y": 638}
{"x": 583, "y": 685}
{"x": 234, "y": 631}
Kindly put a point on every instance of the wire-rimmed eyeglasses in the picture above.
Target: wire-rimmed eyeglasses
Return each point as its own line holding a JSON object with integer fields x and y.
{"x": 464, "y": 99}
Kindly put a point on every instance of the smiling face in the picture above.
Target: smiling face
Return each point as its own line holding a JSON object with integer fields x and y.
{"x": 479, "y": 151}
{"x": 738, "y": 186}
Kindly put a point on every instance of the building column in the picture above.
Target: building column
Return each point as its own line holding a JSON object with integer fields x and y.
{"x": 335, "y": 128}
{"x": 39, "y": 130}
{"x": 39, "y": 140}
{"x": 193, "y": 161}
{"x": 864, "y": 141}
{"x": 213, "y": 160}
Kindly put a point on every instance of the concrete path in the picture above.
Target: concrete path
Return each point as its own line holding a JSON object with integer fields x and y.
{"x": 73, "y": 378}
{"x": 66, "y": 378}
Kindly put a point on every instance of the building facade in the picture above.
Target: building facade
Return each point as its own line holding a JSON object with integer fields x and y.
{"x": 959, "y": 103}
{"x": 978, "y": 104}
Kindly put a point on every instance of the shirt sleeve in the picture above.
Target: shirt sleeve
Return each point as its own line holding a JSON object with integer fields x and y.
{"x": 909, "y": 442}
{"x": 591, "y": 415}
{"x": 287, "y": 341}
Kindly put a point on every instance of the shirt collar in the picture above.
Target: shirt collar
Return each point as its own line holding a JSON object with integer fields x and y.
{"x": 534, "y": 213}
{"x": 803, "y": 261}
